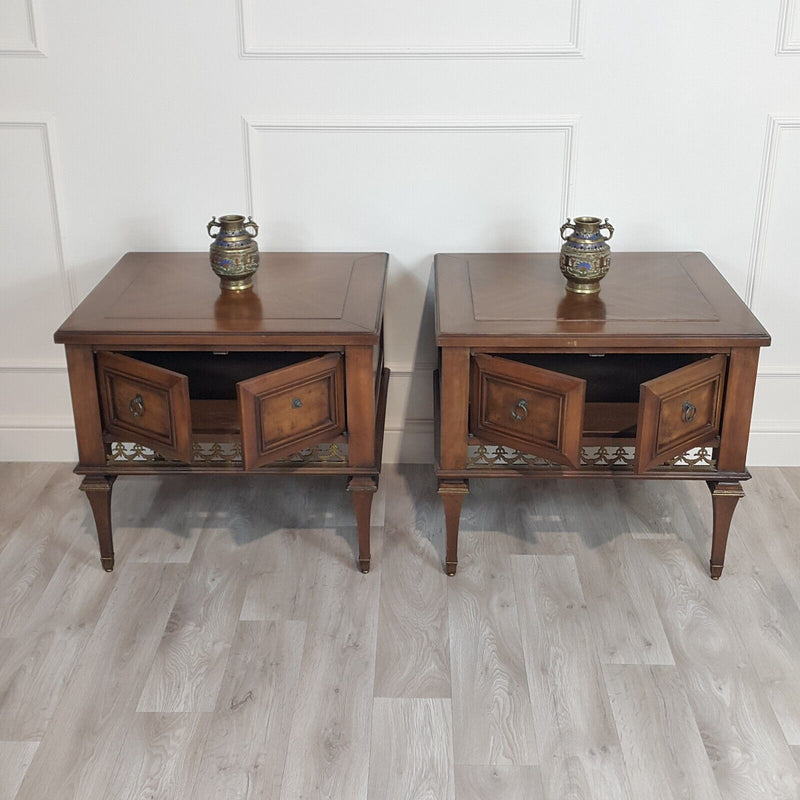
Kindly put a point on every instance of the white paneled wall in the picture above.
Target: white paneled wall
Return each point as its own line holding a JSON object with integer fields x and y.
{"x": 411, "y": 127}
{"x": 19, "y": 32}
{"x": 409, "y": 28}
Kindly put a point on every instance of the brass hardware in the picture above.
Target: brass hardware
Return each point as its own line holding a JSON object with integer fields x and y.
{"x": 137, "y": 406}
{"x": 228, "y": 454}
{"x": 520, "y": 415}
{"x": 688, "y": 411}
{"x": 297, "y": 402}
{"x": 585, "y": 255}
{"x": 498, "y": 457}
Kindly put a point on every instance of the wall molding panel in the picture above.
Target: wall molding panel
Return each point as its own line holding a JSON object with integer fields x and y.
{"x": 569, "y": 47}
{"x": 409, "y": 423}
{"x": 566, "y": 125}
{"x": 775, "y": 127}
{"x": 789, "y": 29}
{"x": 30, "y": 44}
{"x": 45, "y": 125}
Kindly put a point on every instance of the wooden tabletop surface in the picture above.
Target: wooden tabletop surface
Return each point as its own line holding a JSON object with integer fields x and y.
{"x": 664, "y": 298}
{"x": 174, "y": 298}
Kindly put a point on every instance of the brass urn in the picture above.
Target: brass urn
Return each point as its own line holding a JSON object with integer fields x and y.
{"x": 234, "y": 254}
{"x": 585, "y": 254}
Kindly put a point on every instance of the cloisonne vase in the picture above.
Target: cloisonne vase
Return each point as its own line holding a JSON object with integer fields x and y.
{"x": 585, "y": 254}
{"x": 234, "y": 254}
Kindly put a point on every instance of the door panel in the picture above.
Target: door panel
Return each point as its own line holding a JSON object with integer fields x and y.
{"x": 679, "y": 411}
{"x": 528, "y": 408}
{"x": 289, "y": 409}
{"x": 145, "y": 404}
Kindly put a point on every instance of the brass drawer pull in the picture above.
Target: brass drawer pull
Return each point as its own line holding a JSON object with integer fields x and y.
{"x": 688, "y": 411}
{"x": 520, "y": 415}
{"x": 137, "y": 406}
{"x": 297, "y": 402}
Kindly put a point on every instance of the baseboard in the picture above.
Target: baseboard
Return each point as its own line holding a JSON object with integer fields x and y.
{"x": 39, "y": 440}
{"x": 410, "y": 444}
{"x": 777, "y": 446}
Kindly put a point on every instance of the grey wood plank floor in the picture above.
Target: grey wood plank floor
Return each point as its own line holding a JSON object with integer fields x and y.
{"x": 580, "y": 652}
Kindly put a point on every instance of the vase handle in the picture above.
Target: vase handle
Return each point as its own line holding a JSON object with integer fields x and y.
{"x": 212, "y": 224}
{"x": 251, "y": 224}
{"x": 609, "y": 227}
{"x": 568, "y": 224}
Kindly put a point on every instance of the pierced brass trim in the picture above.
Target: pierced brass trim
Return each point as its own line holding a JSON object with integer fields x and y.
{"x": 223, "y": 453}
{"x": 482, "y": 456}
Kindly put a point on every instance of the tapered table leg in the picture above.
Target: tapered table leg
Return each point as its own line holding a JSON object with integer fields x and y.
{"x": 98, "y": 492}
{"x": 724, "y": 497}
{"x": 361, "y": 490}
{"x": 452, "y": 494}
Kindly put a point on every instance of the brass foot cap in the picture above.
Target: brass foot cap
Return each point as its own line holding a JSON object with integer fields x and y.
{"x": 363, "y": 565}
{"x": 108, "y": 563}
{"x": 450, "y": 567}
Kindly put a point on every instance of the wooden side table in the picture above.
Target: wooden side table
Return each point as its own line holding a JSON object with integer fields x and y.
{"x": 651, "y": 378}
{"x": 170, "y": 375}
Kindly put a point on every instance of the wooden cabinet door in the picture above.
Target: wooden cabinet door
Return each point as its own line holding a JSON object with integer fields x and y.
{"x": 679, "y": 411}
{"x": 534, "y": 410}
{"x": 145, "y": 404}
{"x": 284, "y": 411}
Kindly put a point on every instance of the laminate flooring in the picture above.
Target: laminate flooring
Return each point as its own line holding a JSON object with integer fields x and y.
{"x": 235, "y": 652}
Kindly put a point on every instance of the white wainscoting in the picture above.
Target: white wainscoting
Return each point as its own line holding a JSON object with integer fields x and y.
{"x": 789, "y": 29}
{"x": 412, "y": 132}
{"x": 36, "y": 294}
{"x": 773, "y": 294}
{"x": 20, "y": 33}
{"x": 411, "y": 29}
{"x": 410, "y": 187}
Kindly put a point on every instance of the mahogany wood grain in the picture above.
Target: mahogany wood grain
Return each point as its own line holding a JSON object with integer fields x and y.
{"x": 98, "y": 492}
{"x": 174, "y": 298}
{"x": 679, "y": 411}
{"x": 145, "y": 404}
{"x": 454, "y": 394}
{"x": 659, "y": 299}
{"x": 284, "y": 411}
{"x": 305, "y": 357}
{"x": 724, "y": 498}
{"x": 85, "y": 404}
{"x": 360, "y": 396}
{"x": 673, "y": 331}
{"x": 534, "y": 410}
{"x": 742, "y": 370}
{"x": 362, "y": 490}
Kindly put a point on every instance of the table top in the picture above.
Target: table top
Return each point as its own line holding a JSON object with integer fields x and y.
{"x": 657, "y": 299}
{"x": 175, "y": 299}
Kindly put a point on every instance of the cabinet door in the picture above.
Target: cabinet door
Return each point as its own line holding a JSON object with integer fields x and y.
{"x": 679, "y": 411}
{"x": 145, "y": 404}
{"x": 534, "y": 410}
{"x": 286, "y": 410}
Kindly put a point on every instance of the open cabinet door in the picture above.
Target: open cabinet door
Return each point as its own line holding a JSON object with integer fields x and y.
{"x": 679, "y": 411}
{"x": 284, "y": 411}
{"x": 533, "y": 410}
{"x": 145, "y": 404}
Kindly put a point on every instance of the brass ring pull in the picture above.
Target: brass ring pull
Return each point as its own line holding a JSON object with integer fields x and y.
{"x": 137, "y": 406}
{"x": 297, "y": 402}
{"x": 520, "y": 415}
{"x": 688, "y": 411}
